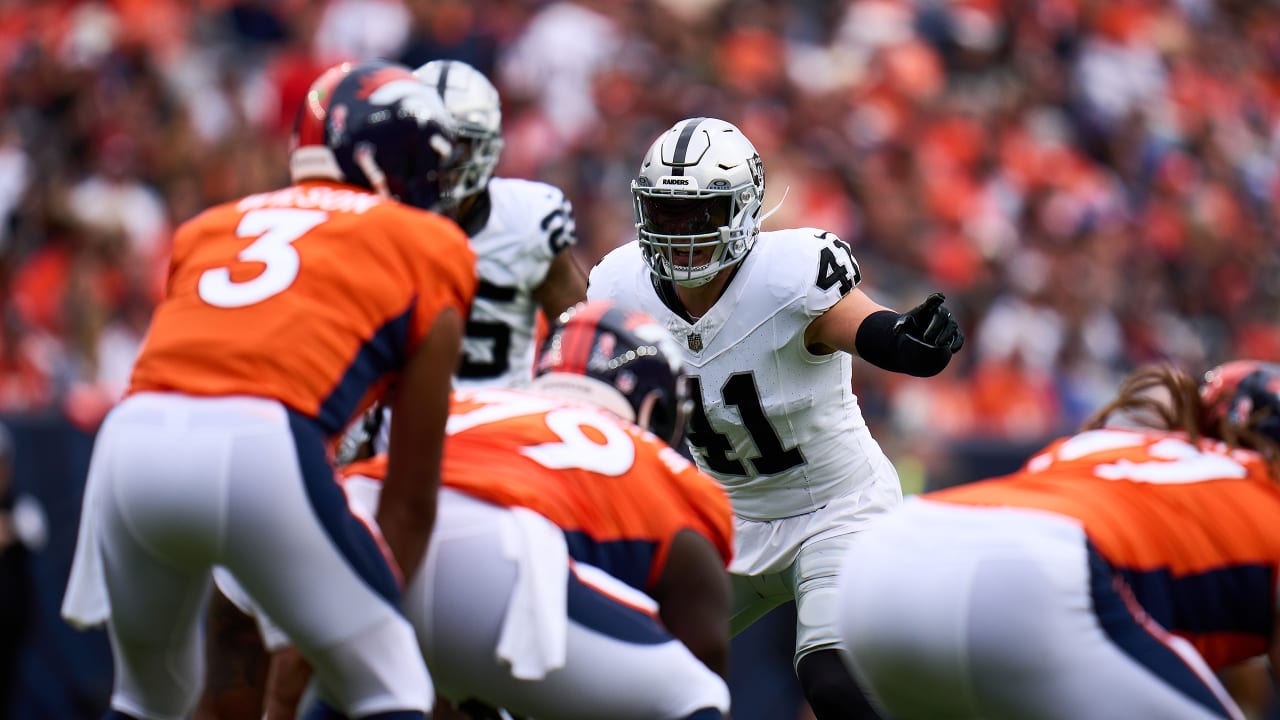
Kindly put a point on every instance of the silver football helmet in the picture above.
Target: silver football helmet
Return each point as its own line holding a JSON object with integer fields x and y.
{"x": 474, "y": 104}
{"x": 697, "y": 200}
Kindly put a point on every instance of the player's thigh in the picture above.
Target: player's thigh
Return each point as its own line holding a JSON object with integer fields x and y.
{"x": 814, "y": 576}
{"x": 155, "y": 528}
{"x": 1044, "y": 648}
{"x": 754, "y": 596}
{"x": 317, "y": 572}
{"x": 902, "y": 620}
{"x": 154, "y": 625}
{"x": 620, "y": 663}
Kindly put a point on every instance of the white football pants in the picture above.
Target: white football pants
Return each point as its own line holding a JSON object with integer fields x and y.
{"x": 1001, "y": 613}
{"x": 179, "y": 484}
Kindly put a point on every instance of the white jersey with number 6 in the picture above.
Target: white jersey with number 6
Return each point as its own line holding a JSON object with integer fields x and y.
{"x": 778, "y": 425}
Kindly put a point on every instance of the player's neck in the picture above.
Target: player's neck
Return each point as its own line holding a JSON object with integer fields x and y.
{"x": 699, "y": 300}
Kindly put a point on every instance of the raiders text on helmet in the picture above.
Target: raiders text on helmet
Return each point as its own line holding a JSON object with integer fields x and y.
{"x": 697, "y": 200}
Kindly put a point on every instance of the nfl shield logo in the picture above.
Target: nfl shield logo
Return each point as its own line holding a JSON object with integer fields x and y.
{"x": 695, "y": 342}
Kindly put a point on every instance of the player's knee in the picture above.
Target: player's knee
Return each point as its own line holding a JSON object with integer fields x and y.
{"x": 830, "y": 690}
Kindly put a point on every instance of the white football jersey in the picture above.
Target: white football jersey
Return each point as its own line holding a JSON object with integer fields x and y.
{"x": 778, "y": 425}
{"x": 529, "y": 223}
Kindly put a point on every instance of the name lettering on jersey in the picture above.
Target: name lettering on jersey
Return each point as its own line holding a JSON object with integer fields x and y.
{"x": 1165, "y": 460}
{"x": 319, "y": 198}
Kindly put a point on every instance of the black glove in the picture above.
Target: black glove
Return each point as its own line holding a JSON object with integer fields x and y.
{"x": 930, "y": 324}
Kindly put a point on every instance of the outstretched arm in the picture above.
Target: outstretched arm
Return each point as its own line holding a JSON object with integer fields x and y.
{"x": 918, "y": 342}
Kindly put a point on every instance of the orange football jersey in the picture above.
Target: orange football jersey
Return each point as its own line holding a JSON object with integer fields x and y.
{"x": 1191, "y": 527}
{"x": 620, "y": 494}
{"x": 314, "y": 295}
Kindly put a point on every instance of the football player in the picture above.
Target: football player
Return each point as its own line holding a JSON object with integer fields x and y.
{"x": 1110, "y": 577}
{"x": 578, "y": 565}
{"x": 768, "y": 322}
{"x": 286, "y": 314}
{"x": 522, "y": 232}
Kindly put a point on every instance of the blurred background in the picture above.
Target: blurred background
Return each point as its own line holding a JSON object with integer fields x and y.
{"x": 1091, "y": 182}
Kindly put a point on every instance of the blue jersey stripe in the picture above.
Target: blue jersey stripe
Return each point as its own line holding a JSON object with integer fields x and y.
{"x": 597, "y": 611}
{"x": 1234, "y": 599}
{"x": 329, "y": 503}
{"x": 626, "y": 560}
{"x": 1136, "y": 641}
{"x": 379, "y": 355}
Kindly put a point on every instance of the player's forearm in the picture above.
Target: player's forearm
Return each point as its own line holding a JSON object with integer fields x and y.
{"x": 406, "y": 522}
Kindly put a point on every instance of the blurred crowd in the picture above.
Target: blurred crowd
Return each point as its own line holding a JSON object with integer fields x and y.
{"x": 1091, "y": 182}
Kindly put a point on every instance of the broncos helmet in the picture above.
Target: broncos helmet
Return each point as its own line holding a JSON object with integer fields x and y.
{"x": 376, "y": 126}
{"x": 1241, "y": 401}
{"x": 697, "y": 200}
{"x": 474, "y": 104}
{"x": 621, "y": 360}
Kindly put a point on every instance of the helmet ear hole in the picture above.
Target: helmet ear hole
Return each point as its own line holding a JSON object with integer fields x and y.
{"x": 645, "y": 412}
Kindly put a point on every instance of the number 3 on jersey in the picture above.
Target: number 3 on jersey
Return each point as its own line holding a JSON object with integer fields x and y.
{"x": 276, "y": 230}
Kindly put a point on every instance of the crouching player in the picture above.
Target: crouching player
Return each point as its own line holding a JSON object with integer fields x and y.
{"x": 577, "y": 569}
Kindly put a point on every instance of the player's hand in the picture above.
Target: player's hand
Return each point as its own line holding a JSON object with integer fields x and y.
{"x": 930, "y": 324}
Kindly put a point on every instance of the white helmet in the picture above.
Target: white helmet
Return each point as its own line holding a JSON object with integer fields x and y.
{"x": 474, "y": 104}
{"x": 697, "y": 200}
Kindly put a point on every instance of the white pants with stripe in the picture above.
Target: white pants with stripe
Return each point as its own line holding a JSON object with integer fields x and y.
{"x": 969, "y": 612}
{"x": 178, "y": 484}
{"x": 615, "y": 660}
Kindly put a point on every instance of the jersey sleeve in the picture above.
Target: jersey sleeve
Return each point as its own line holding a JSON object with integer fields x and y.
{"x": 607, "y": 277}
{"x": 446, "y": 275}
{"x": 829, "y": 269}
{"x": 558, "y": 230}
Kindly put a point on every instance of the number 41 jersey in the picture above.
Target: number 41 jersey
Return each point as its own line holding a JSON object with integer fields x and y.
{"x": 777, "y": 425}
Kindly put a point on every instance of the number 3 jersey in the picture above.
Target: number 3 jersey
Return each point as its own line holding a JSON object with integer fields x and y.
{"x": 528, "y": 224}
{"x": 1190, "y": 526}
{"x": 777, "y": 425}
{"x": 313, "y": 295}
{"x": 619, "y": 493}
